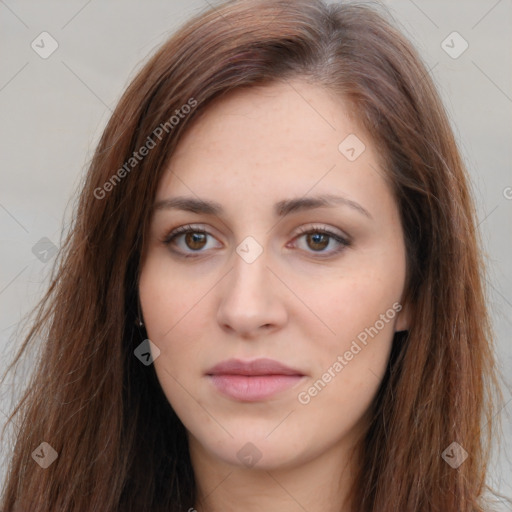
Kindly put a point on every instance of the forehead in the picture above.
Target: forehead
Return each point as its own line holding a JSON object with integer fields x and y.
{"x": 269, "y": 139}
{"x": 295, "y": 119}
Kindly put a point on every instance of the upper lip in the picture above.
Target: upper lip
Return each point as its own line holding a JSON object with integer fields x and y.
{"x": 261, "y": 366}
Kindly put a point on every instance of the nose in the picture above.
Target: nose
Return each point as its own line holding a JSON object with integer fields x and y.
{"x": 251, "y": 299}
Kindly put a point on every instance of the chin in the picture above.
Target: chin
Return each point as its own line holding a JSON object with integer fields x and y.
{"x": 259, "y": 457}
{"x": 254, "y": 449}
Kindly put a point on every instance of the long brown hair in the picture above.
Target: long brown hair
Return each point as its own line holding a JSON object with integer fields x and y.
{"x": 120, "y": 446}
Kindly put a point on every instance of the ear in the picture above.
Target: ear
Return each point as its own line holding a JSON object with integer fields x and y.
{"x": 403, "y": 318}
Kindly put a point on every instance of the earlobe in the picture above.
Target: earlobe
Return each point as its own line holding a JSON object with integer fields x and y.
{"x": 402, "y": 322}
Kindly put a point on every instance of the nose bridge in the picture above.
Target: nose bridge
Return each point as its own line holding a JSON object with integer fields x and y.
{"x": 248, "y": 299}
{"x": 249, "y": 279}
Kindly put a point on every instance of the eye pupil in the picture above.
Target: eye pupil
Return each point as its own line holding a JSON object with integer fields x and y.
{"x": 317, "y": 239}
{"x": 192, "y": 238}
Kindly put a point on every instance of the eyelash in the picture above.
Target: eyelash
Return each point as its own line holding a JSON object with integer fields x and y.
{"x": 168, "y": 239}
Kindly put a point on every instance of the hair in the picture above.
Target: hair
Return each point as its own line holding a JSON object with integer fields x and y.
{"x": 120, "y": 445}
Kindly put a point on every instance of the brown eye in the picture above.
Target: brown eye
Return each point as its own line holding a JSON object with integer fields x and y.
{"x": 319, "y": 241}
{"x": 195, "y": 240}
{"x": 188, "y": 241}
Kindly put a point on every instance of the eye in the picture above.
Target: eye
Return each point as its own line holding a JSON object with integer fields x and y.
{"x": 318, "y": 238}
{"x": 194, "y": 238}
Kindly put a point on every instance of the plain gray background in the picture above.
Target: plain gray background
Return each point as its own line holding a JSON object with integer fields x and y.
{"x": 53, "y": 111}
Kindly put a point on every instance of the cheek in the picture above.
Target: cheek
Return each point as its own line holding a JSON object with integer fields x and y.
{"x": 170, "y": 299}
{"x": 348, "y": 367}
{"x": 350, "y": 361}
{"x": 358, "y": 307}
{"x": 173, "y": 321}
{"x": 168, "y": 308}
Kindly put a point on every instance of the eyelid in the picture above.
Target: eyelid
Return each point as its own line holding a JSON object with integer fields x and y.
{"x": 326, "y": 229}
{"x": 196, "y": 228}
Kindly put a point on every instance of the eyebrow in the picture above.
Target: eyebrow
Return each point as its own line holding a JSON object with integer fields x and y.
{"x": 281, "y": 208}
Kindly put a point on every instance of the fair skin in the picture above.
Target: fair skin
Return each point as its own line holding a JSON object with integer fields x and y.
{"x": 300, "y": 302}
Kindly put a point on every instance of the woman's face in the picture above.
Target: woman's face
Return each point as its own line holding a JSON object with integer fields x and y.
{"x": 273, "y": 342}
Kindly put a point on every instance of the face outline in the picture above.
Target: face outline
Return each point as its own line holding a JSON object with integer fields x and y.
{"x": 290, "y": 304}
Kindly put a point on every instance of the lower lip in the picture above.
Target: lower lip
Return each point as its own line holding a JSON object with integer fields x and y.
{"x": 253, "y": 388}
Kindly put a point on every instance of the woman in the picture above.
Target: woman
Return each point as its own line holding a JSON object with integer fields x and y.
{"x": 271, "y": 296}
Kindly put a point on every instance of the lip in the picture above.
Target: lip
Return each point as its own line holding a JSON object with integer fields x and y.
{"x": 252, "y": 381}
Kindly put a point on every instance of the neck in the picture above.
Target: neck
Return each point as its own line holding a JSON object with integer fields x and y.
{"x": 319, "y": 484}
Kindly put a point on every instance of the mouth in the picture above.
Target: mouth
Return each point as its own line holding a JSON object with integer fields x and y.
{"x": 253, "y": 381}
